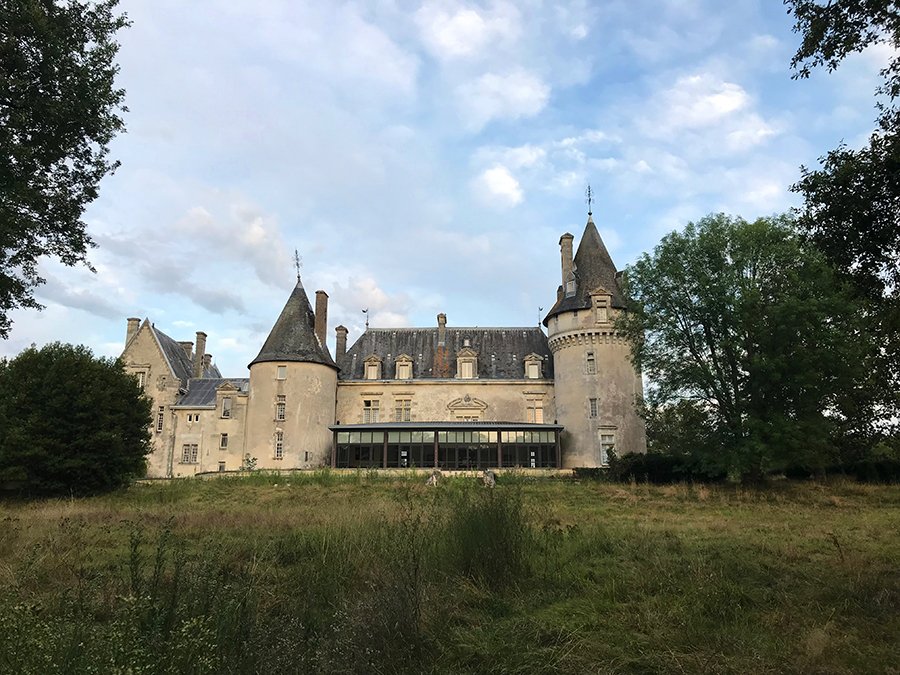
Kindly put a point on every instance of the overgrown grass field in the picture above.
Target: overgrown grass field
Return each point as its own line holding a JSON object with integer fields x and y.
{"x": 378, "y": 573}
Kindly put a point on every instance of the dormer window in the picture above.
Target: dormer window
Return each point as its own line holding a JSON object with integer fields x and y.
{"x": 403, "y": 368}
{"x": 372, "y": 368}
{"x": 467, "y": 363}
{"x": 570, "y": 285}
{"x": 601, "y": 309}
{"x": 226, "y": 407}
{"x": 533, "y": 364}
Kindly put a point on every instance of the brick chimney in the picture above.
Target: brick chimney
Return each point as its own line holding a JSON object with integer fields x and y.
{"x": 565, "y": 252}
{"x": 199, "y": 354}
{"x": 340, "y": 342}
{"x": 321, "y": 316}
{"x": 442, "y": 328}
{"x": 133, "y": 325}
{"x": 188, "y": 347}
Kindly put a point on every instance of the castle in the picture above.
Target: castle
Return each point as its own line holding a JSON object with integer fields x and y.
{"x": 452, "y": 398}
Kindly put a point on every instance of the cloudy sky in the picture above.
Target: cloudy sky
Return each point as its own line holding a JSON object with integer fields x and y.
{"x": 426, "y": 156}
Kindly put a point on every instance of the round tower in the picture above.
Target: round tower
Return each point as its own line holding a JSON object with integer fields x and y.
{"x": 596, "y": 386}
{"x": 293, "y": 385}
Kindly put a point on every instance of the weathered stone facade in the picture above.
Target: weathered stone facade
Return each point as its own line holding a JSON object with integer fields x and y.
{"x": 577, "y": 381}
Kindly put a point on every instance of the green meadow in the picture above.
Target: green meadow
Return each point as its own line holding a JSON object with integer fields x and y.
{"x": 379, "y": 573}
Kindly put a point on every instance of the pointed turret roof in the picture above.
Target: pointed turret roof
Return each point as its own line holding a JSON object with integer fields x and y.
{"x": 293, "y": 337}
{"x": 594, "y": 269}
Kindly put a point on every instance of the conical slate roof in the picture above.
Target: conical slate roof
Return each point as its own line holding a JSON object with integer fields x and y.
{"x": 593, "y": 269}
{"x": 293, "y": 337}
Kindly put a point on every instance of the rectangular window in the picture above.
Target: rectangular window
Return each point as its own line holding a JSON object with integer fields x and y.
{"x": 404, "y": 370}
{"x": 593, "y": 404}
{"x": 533, "y": 371}
{"x": 189, "y": 453}
{"x": 306, "y": 456}
{"x": 535, "y": 412}
{"x": 221, "y": 467}
{"x": 226, "y": 407}
{"x": 467, "y": 370}
{"x": 607, "y": 445}
{"x": 370, "y": 411}
{"x": 601, "y": 313}
{"x": 591, "y": 363}
{"x": 280, "y": 408}
{"x": 279, "y": 445}
{"x": 402, "y": 412}
{"x": 140, "y": 379}
{"x": 160, "y": 418}
{"x": 371, "y": 371}
{"x": 223, "y": 441}
{"x": 281, "y": 373}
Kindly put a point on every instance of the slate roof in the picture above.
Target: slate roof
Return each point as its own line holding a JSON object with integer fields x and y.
{"x": 182, "y": 366}
{"x": 202, "y": 392}
{"x": 508, "y": 346}
{"x": 293, "y": 337}
{"x": 593, "y": 268}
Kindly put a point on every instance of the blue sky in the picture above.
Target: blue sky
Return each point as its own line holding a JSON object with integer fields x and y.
{"x": 426, "y": 156}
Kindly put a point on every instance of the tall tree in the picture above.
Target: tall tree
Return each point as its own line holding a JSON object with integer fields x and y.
{"x": 59, "y": 110}
{"x": 852, "y": 201}
{"x": 742, "y": 329}
{"x": 70, "y": 422}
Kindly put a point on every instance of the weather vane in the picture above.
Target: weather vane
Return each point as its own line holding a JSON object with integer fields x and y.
{"x": 297, "y": 263}
{"x": 589, "y": 199}
{"x": 540, "y": 309}
{"x": 366, "y": 312}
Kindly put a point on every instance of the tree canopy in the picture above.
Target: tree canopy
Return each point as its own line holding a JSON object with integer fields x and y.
{"x": 851, "y": 207}
{"x": 70, "y": 423}
{"x": 747, "y": 338}
{"x": 59, "y": 110}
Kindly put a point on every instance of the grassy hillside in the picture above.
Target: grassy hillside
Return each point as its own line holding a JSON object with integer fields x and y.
{"x": 375, "y": 573}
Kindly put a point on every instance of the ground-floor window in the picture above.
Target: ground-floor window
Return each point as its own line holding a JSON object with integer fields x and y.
{"x": 189, "y": 453}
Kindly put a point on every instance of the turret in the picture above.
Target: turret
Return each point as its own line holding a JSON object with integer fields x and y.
{"x": 293, "y": 383}
{"x": 596, "y": 386}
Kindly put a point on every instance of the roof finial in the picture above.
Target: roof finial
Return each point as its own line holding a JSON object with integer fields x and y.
{"x": 297, "y": 263}
{"x": 589, "y": 199}
{"x": 366, "y": 312}
{"x": 540, "y": 310}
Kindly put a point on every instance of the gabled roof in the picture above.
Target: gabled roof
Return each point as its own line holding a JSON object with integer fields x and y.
{"x": 202, "y": 392}
{"x": 507, "y": 346}
{"x": 293, "y": 337}
{"x": 593, "y": 269}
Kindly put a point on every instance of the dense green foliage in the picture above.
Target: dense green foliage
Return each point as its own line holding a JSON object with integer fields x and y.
{"x": 851, "y": 207}
{"x": 69, "y": 423}
{"x": 58, "y": 112}
{"x": 377, "y": 573}
{"x": 748, "y": 343}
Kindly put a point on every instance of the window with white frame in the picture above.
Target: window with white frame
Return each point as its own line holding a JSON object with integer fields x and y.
{"x": 281, "y": 373}
{"x": 592, "y": 405}
{"x": 189, "y": 453}
{"x": 141, "y": 378}
{"x": 223, "y": 441}
{"x": 591, "y": 363}
{"x": 402, "y": 410}
{"x": 226, "y": 407}
{"x": 466, "y": 362}
{"x": 160, "y": 418}
{"x": 279, "y": 444}
{"x": 403, "y": 370}
{"x": 607, "y": 445}
{"x": 373, "y": 368}
{"x": 370, "y": 411}
{"x": 280, "y": 408}
{"x": 533, "y": 367}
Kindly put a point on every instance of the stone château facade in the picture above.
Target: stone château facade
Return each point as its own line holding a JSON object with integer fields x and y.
{"x": 455, "y": 398}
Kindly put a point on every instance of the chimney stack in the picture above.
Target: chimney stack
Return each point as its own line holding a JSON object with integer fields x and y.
{"x": 133, "y": 325}
{"x": 565, "y": 252}
{"x": 340, "y": 343}
{"x": 188, "y": 347}
{"x": 321, "y": 316}
{"x": 199, "y": 354}
{"x": 207, "y": 362}
{"x": 442, "y": 328}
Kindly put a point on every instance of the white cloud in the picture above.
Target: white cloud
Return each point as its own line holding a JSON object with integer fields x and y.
{"x": 498, "y": 184}
{"x": 511, "y": 96}
{"x": 455, "y": 30}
